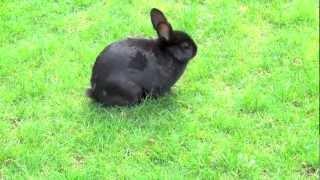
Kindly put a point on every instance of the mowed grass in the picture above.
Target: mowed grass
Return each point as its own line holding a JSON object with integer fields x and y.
{"x": 247, "y": 106}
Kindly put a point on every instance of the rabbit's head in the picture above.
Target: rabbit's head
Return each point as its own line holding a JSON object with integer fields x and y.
{"x": 179, "y": 44}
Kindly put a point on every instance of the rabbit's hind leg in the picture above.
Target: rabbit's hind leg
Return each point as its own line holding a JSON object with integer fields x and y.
{"x": 121, "y": 93}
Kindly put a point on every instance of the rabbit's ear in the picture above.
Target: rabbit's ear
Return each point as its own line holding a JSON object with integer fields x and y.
{"x": 164, "y": 31}
{"x": 160, "y": 24}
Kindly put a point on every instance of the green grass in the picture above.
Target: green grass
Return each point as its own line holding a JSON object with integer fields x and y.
{"x": 247, "y": 106}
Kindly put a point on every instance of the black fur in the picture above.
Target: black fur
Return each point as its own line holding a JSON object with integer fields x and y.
{"x": 127, "y": 71}
{"x": 139, "y": 62}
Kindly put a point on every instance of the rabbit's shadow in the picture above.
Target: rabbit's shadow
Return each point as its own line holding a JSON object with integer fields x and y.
{"x": 161, "y": 109}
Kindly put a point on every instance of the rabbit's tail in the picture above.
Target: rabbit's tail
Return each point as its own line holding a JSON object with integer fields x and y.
{"x": 89, "y": 92}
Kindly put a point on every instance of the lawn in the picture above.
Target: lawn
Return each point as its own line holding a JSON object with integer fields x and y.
{"x": 247, "y": 106}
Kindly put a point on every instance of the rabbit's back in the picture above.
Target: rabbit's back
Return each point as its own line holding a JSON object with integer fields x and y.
{"x": 140, "y": 61}
{"x": 129, "y": 53}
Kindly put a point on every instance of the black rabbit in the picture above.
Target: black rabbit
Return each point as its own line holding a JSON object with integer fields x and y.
{"x": 127, "y": 71}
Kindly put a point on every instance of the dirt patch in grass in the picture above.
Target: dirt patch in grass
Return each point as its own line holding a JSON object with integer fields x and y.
{"x": 310, "y": 170}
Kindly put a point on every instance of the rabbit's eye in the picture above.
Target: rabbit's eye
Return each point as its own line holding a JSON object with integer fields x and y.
{"x": 185, "y": 45}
